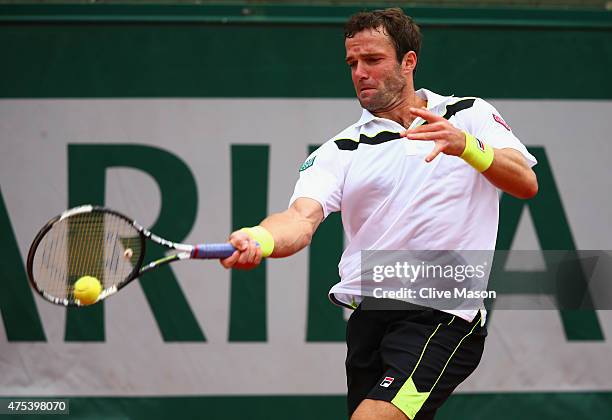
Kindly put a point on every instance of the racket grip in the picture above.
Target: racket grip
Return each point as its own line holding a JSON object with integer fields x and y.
{"x": 212, "y": 251}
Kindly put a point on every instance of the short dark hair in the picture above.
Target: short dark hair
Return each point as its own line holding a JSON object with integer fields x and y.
{"x": 401, "y": 29}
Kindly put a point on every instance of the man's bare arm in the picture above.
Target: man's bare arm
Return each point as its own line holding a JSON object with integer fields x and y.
{"x": 291, "y": 229}
{"x": 510, "y": 173}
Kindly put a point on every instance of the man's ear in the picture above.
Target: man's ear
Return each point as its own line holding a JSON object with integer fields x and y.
{"x": 409, "y": 62}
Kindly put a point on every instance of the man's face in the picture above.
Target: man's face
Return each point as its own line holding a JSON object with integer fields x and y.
{"x": 376, "y": 74}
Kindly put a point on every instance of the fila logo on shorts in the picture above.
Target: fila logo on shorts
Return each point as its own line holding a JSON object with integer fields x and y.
{"x": 386, "y": 382}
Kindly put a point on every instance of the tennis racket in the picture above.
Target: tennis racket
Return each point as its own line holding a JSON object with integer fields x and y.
{"x": 102, "y": 243}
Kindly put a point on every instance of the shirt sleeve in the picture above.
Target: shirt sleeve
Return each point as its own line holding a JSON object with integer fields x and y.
{"x": 322, "y": 178}
{"x": 489, "y": 126}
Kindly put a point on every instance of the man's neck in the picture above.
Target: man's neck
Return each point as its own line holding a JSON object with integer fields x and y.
{"x": 400, "y": 113}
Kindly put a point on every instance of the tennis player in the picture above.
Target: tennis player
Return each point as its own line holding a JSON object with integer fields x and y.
{"x": 417, "y": 171}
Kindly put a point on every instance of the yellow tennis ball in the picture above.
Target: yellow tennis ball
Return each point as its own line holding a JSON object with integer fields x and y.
{"x": 87, "y": 289}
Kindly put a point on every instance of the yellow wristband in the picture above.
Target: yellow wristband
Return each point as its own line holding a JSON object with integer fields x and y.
{"x": 476, "y": 153}
{"x": 263, "y": 238}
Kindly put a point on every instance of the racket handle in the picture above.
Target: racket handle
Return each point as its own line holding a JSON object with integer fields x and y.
{"x": 212, "y": 251}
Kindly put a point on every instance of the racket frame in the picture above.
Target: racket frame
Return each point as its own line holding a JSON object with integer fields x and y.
{"x": 184, "y": 252}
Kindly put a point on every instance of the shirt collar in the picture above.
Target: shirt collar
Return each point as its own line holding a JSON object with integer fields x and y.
{"x": 433, "y": 100}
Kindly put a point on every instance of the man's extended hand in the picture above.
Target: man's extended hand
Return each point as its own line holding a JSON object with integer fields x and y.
{"x": 290, "y": 230}
{"x": 448, "y": 138}
{"x": 247, "y": 254}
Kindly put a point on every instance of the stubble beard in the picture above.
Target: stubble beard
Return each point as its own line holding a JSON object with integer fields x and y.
{"x": 387, "y": 95}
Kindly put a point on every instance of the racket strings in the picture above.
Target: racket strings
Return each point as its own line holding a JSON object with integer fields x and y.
{"x": 96, "y": 244}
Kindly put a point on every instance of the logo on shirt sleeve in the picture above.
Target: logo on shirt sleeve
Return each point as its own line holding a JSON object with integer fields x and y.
{"x": 307, "y": 164}
{"x": 501, "y": 121}
{"x": 387, "y": 381}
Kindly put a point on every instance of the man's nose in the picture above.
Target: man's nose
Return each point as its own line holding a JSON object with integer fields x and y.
{"x": 360, "y": 71}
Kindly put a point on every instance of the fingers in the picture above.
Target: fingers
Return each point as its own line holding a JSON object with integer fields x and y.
{"x": 428, "y": 136}
{"x": 435, "y": 152}
{"x": 426, "y": 115}
{"x": 248, "y": 254}
{"x": 434, "y": 131}
{"x": 231, "y": 260}
{"x": 448, "y": 139}
{"x": 258, "y": 256}
{"x": 425, "y": 128}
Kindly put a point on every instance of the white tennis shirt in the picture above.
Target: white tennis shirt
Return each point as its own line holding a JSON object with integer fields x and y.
{"x": 391, "y": 199}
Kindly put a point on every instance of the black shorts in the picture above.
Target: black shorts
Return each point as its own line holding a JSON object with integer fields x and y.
{"x": 413, "y": 358}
